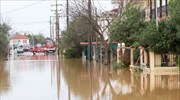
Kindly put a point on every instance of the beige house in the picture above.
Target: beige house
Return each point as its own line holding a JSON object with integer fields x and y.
{"x": 166, "y": 63}
{"x": 19, "y": 39}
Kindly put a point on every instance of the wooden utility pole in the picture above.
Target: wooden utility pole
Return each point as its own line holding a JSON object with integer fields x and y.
{"x": 156, "y": 13}
{"x": 67, "y": 12}
{"x": 166, "y": 5}
{"x": 50, "y": 27}
{"x": 57, "y": 28}
{"x": 90, "y": 30}
{"x": 53, "y": 37}
{"x": 150, "y": 9}
{"x": 155, "y": 6}
{"x": 160, "y": 8}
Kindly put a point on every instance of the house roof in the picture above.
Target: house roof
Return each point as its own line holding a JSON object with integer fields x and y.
{"x": 19, "y": 36}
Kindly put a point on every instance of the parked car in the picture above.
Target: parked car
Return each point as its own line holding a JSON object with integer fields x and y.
{"x": 20, "y": 49}
{"x": 26, "y": 48}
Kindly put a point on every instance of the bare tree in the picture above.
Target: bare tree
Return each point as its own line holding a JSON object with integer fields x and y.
{"x": 99, "y": 21}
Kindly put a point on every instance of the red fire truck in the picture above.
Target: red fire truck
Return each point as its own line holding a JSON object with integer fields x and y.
{"x": 46, "y": 48}
{"x": 50, "y": 46}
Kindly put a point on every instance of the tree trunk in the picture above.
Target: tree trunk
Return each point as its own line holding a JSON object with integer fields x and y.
{"x": 106, "y": 54}
{"x": 166, "y": 4}
{"x": 150, "y": 9}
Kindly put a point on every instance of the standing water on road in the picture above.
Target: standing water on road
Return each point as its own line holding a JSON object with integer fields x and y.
{"x": 43, "y": 77}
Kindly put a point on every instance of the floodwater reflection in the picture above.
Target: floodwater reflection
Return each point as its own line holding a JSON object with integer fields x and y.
{"x": 4, "y": 79}
{"x": 46, "y": 78}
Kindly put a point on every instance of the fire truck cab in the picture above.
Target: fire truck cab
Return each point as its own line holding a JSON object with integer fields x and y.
{"x": 50, "y": 46}
{"x": 46, "y": 48}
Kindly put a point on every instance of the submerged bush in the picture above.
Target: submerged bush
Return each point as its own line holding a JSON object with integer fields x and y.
{"x": 179, "y": 62}
{"x": 119, "y": 65}
{"x": 72, "y": 53}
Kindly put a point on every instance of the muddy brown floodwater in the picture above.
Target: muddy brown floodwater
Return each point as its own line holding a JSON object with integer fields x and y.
{"x": 43, "y": 77}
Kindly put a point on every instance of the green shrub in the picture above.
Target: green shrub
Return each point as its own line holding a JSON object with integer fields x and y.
{"x": 119, "y": 65}
{"x": 72, "y": 53}
{"x": 179, "y": 62}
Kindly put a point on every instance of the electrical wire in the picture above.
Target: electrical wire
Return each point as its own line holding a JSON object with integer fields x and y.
{"x": 22, "y": 7}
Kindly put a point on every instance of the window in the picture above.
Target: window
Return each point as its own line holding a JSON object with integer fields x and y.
{"x": 24, "y": 41}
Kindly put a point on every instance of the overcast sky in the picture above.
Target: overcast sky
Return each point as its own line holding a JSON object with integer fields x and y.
{"x": 34, "y": 15}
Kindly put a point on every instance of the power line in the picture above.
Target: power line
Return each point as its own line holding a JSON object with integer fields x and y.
{"x": 22, "y": 7}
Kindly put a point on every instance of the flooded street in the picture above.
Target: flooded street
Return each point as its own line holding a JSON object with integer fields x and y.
{"x": 43, "y": 77}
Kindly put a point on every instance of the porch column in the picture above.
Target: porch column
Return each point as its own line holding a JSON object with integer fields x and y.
{"x": 132, "y": 57}
{"x": 151, "y": 58}
{"x": 118, "y": 53}
{"x": 83, "y": 56}
{"x": 141, "y": 55}
{"x": 123, "y": 51}
{"x": 145, "y": 57}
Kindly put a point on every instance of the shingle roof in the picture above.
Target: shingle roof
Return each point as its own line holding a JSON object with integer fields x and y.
{"x": 19, "y": 36}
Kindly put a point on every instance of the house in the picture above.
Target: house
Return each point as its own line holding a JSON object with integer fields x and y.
{"x": 166, "y": 62}
{"x": 19, "y": 39}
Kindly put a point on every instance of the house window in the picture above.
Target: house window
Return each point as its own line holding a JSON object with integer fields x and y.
{"x": 24, "y": 41}
{"x": 15, "y": 41}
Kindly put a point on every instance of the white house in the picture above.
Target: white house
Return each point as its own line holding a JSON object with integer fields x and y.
{"x": 19, "y": 39}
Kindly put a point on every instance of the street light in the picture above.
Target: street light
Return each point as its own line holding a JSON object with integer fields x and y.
{"x": 123, "y": 44}
{"x": 119, "y": 44}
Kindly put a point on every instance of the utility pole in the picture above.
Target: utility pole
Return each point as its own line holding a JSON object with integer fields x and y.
{"x": 155, "y": 9}
{"x": 50, "y": 28}
{"x": 67, "y": 12}
{"x": 57, "y": 28}
{"x": 160, "y": 8}
{"x": 150, "y": 9}
{"x": 90, "y": 30}
{"x": 156, "y": 15}
{"x": 166, "y": 5}
{"x": 53, "y": 32}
